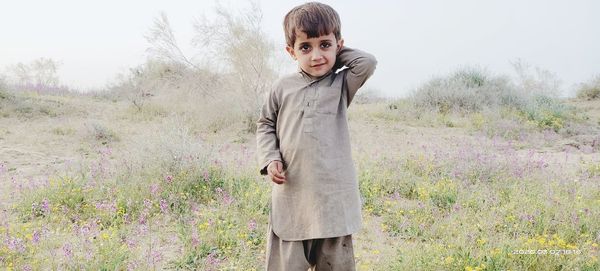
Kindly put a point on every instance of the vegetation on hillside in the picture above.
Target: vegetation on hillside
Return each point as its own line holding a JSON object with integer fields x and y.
{"x": 590, "y": 90}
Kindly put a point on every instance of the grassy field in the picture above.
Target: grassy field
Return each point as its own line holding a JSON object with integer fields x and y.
{"x": 93, "y": 183}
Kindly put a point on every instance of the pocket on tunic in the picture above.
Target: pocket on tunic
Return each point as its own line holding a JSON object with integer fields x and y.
{"x": 307, "y": 125}
{"x": 328, "y": 100}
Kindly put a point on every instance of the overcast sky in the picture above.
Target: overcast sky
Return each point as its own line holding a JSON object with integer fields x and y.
{"x": 413, "y": 40}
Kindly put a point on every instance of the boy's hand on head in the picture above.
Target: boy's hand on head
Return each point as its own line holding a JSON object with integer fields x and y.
{"x": 275, "y": 171}
{"x": 338, "y": 64}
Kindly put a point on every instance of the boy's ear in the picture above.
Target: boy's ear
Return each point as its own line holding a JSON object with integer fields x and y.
{"x": 340, "y": 44}
{"x": 290, "y": 50}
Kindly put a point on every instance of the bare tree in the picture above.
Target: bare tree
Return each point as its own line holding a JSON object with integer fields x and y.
{"x": 22, "y": 73}
{"x": 141, "y": 82}
{"x": 238, "y": 42}
{"x": 537, "y": 81}
{"x": 231, "y": 70}
{"x": 45, "y": 72}
{"x": 164, "y": 44}
{"x": 40, "y": 73}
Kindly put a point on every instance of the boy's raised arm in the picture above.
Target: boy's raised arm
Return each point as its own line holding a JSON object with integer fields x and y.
{"x": 266, "y": 136}
{"x": 361, "y": 66}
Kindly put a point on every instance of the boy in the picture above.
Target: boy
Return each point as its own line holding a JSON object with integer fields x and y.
{"x": 303, "y": 145}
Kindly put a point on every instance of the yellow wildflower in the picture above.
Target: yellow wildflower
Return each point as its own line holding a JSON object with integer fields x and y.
{"x": 481, "y": 242}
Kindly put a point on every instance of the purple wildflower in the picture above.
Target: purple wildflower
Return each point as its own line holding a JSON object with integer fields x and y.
{"x": 15, "y": 244}
{"x": 35, "y": 237}
{"x": 132, "y": 266}
{"x": 212, "y": 259}
{"x": 195, "y": 238}
{"x": 156, "y": 256}
{"x": 227, "y": 199}
{"x": 206, "y": 175}
{"x": 130, "y": 243}
{"x": 252, "y": 225}
{"x": 147, "y": 204}
{"x": 154, "y": 189}
{"x": 67, "y": 250}
{"x": 163, "y": 206}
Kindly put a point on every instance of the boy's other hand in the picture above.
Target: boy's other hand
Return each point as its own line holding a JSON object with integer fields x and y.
{"x": 275, "y": 171}
{"x": 338, "y": 63}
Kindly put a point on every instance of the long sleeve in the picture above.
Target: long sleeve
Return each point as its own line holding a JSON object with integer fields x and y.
{"x": 361, "y": 66}
{"x": 266, "y": 135}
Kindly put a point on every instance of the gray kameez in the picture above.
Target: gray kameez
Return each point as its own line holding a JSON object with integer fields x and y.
{"x": 303, "y": 123}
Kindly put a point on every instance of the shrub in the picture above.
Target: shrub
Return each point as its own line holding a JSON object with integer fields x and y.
{"x": 590, "y": 90}
{"x": 2, "y": 86}
{"x": 145, "y": 81}
{"x": 532, "y": 96}
{"x": 223, "y": 86}
{"x": 3, "y": 94}
{"x": 546, "y": 113}
{"x": 30, "y": 105}
{"x": 103, "y": 134}
{"x": 443, "y": 193}
{"x": 248, "y": 55}
{"x": 467, "y": 90}
{"x": 470, "y": 89}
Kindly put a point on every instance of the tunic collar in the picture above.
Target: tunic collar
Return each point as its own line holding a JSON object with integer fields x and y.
{"x": 311, "y": 79}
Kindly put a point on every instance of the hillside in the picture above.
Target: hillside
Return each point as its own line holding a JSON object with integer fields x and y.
{"x": 89, "y": 182}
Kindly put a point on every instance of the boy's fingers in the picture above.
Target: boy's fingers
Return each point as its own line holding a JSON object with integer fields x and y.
{"x": 277, "y": 180}
{"x": 275, "y": 173}
{"x": 276, "y": 176}
{"x": 278, "y": 169}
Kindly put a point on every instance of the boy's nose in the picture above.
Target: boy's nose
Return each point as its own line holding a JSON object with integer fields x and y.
{"x": 316, "y": 55}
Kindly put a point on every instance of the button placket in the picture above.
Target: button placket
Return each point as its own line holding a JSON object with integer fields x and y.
{"x": 308, "y": 108}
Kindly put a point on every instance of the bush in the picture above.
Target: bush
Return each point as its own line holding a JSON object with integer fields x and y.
{"x": 531, "y": 96}
{"x": 590, "y": 90}
{"x": 2, "y": 83}
{"x": 145, "y": 81}
{"x": 471, "y": 89}
{"x": 3, "y": 94}
{"x": 222, "y": 87}
{"x": 3, "y": 89}
{"x": 30, "y": 105}
{"x": 466, "y": 90}
{"x": 103, "y": 134}
{"x": 546, "y": 113}
{"x": 248, "y": 54}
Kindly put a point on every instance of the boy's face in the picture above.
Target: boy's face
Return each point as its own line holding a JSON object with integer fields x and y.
{"x": 316, "y": 56}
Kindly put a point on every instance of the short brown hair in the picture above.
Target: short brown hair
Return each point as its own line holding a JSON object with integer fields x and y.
{"x": 313, "y": 18}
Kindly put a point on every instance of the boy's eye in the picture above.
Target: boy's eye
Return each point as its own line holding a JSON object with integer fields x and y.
{"x": 304, "y": 48}
{"x": 325, "y": 45}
